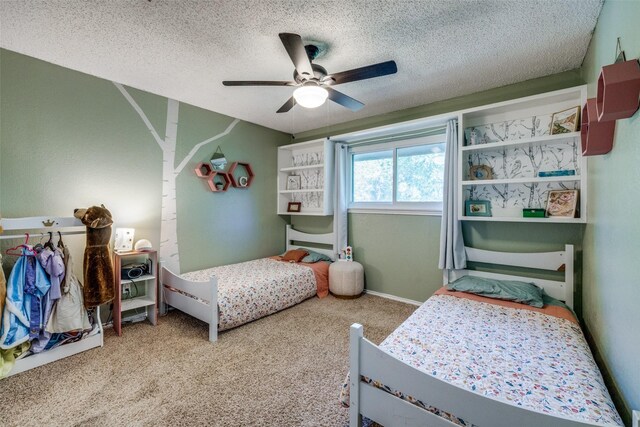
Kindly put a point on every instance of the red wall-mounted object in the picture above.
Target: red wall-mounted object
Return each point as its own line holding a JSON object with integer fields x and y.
{"x": 203, "y": 170}
{"x": 249, "y": 174}
{"x": 596, "y": 136}
{"x": 218, "y": 185}
{"x": 618, "y": 90}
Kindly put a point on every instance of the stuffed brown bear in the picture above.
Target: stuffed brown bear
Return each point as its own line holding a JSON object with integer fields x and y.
{"x": 97, "y": 268}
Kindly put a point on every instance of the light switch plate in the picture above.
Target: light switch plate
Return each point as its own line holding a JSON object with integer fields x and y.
{"x": 636, "y": 419}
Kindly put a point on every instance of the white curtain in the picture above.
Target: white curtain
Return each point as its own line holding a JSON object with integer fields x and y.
{"x": 340, "y": 228}
{"x": 452, "y": 255}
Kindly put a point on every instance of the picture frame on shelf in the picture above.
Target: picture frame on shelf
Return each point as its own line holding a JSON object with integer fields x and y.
{"x": 294, "y": 182}
{"x": 562, "y": 203}
{"x": 480, "y": 172}
{"x": 565, "y": 121}
{"x": 477, "y": 208}
{"x": 294, "y": 207}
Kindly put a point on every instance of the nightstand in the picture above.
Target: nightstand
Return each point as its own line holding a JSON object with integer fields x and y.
{"x": 137, "y": 292}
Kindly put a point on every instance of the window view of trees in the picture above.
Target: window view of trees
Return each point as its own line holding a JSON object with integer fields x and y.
{"x": 420, "y": 175}
{"x": 373, "y": 177}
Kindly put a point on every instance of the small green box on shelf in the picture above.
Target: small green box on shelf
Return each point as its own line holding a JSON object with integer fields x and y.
{"x": 533, "y": 213}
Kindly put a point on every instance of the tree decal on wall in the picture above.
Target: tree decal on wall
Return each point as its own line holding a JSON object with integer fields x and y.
{"x": 169, "y": 252}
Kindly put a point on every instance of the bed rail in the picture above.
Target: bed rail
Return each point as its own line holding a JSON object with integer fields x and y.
{"x": 385, "y": 408}
{"x": 203, "y": 307}
{"x": 321, "y": 239}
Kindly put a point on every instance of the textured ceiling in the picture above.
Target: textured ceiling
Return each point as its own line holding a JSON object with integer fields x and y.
{"x": 183, "y": 49}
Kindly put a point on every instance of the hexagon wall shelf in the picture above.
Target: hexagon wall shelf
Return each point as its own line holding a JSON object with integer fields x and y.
{"x": 596, "y": 136}
{"x": 236, "y": 181}
{"x": 203, "y": 170}
{"x": 221, "y": 183}
{"x": 618, "y": 90}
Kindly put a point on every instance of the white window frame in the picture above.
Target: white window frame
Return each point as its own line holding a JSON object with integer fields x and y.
{"x": 394, "y": 207}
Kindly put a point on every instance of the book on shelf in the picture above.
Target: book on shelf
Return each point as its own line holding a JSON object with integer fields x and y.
{"x": 566, "y": 172}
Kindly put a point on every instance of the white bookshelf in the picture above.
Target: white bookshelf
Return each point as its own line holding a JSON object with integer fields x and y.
{"x": 517, "y": 149}
{"x": 523, "y": 143}
{"x": 312, "y": 161}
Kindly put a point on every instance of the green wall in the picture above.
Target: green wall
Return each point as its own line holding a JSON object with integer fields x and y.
{"x": 611, "y": 286}
{"x": 400, "y": 252}
{"x": 70, "y": 140}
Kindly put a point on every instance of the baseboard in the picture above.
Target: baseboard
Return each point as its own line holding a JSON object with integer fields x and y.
{"x": 393, "y": 297}
{"x": 621, "y": 405}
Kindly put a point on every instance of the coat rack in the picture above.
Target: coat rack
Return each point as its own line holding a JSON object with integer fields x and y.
{"x": 66, "y": 226}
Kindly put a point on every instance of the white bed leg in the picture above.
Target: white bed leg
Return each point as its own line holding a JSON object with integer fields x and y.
{"x": 162, "y": 307}
{"x": 355, "y": 335}
{"x": 213, "y": 324}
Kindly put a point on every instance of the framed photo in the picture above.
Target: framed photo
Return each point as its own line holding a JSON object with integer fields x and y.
{"x": 294, "y": 207}
{"x": 562, "y": 203}
{"x": 477, "y": 208}
{"x": 293, "y": 182}
{"x": 477, "y": 172}
{"x": 565, "y": 121}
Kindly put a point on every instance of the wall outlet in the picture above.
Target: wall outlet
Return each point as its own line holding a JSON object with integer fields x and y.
{"x": 126, "y": 289}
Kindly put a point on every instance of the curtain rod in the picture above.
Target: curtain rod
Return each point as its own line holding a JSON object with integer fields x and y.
{"x": 399, "y": 136}
{"x": 23, "y": 235}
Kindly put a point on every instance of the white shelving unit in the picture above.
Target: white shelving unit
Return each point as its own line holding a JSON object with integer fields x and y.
{"x": 517, "y": 145}
{"x": 143, "y": 289}
{"x": 312, "y": 161}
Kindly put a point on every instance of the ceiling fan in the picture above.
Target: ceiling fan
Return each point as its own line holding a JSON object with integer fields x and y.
{"x": 314, "y": 84}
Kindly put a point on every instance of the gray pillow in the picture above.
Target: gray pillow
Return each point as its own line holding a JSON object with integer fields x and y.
{"x": 509, "y": 290}
{"x": 315, "y": 257}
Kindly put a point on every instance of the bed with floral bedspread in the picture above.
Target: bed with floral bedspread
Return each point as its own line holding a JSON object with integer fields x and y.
{"x": 250, "y": 290}
{"x": 526, "y": 357}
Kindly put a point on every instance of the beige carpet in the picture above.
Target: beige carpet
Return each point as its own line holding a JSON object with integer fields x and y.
{"x": 283, "y": 370}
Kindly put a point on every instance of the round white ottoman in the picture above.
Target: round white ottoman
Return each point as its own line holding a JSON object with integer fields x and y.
{"x": 346, "y": 279}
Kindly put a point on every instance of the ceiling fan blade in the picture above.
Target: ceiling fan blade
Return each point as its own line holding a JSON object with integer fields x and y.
{"x": 344, "y": 100}
{"x": 369, "y": 72}
{"x": 295, "y": 48}
{"x": 256, "y": 83}
{"x": 287, "y": 105}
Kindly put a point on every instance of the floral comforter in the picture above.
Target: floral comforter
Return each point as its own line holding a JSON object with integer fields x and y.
{"x": 530, "y": 359}
{"x": 250, "y": 290}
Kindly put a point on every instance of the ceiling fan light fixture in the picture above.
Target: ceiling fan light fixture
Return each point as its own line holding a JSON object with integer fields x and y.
{"x": 310, "y": 95}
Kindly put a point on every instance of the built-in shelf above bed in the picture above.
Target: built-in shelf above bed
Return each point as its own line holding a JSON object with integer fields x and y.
{"x": 519, "y": 159}
{"x": 305, "y": 176}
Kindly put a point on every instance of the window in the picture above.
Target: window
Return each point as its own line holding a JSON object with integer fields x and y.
{"x": 396, "y": 176}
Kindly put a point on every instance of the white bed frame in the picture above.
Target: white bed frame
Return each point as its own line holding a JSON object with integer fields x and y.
{"x": 205, "y": 304}
{"x": 368, "y": 360}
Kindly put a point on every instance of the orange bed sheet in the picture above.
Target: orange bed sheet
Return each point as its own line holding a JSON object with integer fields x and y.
{"x": 321, "y": 271}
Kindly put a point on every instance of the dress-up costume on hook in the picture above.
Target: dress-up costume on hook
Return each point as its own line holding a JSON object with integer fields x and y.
{"x": 98, "y": 269}
{"x": 69, "y": 313}
{"x": 27, "y": 285}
